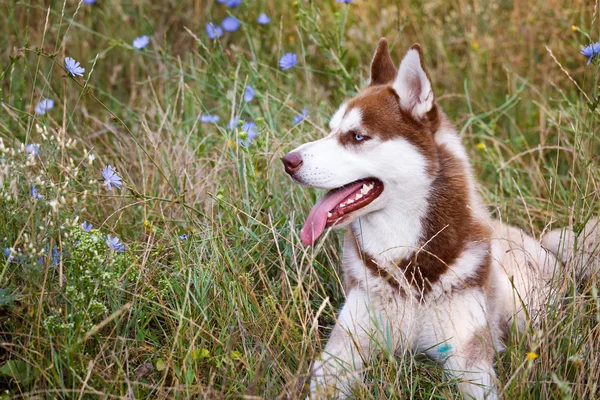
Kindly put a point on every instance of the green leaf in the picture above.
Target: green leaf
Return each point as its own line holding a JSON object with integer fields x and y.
{"x": 6, "y": 297}
{"x": 19, "y": 370}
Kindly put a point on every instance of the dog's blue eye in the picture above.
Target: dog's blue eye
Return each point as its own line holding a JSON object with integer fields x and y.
{"x": 358, "y": 137}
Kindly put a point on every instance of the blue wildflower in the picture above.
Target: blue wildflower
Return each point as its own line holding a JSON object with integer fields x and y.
{"x": 233, "y": 123}
{"x": 44, "y": 106}
{"x": 74, "y": 67}
{"x": 209, "y": 119}
{"x": 141, "y": 42}
{"x": 115, "y": 244}
{"x": 8, "y": 253}
{"x": 344, "y": 1}
{"x": 183, "y": 237}
{"x": 590, "y": 51}
{"x": 263, "y": 19}
{"x": 230, "y": 24}
{"x": 288, "y": 61}
{"x": 213, "y": 31}
{"x": 55, "y": 256}
{"x": 248, "y": 94}
{"x": 32, "y": 149}
{"x": 34, "y": 192}
{"x": 111, "y": 178}
{"x": 86, "y": 226}
{"x": 89, "y": 1}
{"x": 233, "y": 3}
{"x": 298, "y": 118}
{"x": 250, "y": 133}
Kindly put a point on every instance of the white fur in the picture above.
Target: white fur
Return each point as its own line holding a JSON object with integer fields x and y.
{"x": 413, "y": 86}
{"x": 446, "y": 136}
{"x": 352, "y": 120}
{"x": 336, "y": 120}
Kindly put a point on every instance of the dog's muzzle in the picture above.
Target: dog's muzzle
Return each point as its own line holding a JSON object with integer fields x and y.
{"x": 292, "y": 162}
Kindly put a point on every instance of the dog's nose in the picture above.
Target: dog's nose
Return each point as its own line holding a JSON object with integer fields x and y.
{"x": 292, "y": 162}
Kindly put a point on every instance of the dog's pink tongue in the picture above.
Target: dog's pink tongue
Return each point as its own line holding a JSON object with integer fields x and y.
{"x": 317, "y": 218}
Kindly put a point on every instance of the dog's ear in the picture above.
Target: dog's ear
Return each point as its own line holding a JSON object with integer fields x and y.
{"x": 383, "y": 70}
{"x": 413, "y": 84}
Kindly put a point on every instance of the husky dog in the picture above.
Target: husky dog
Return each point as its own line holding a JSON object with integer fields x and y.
{"x": 423, "y": 262}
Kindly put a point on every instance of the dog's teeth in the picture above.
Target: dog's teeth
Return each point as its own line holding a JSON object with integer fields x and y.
{"x": 350, "y": 201}
{"x": 358, "y": 196}
{"x": 366, "y": 188}
{"x": 329, "y": 215}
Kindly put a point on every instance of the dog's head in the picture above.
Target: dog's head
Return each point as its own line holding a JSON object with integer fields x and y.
{"x": 381, "y": 147}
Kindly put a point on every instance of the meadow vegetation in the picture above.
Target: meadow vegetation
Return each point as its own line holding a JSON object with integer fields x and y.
{"x": 207, "y": 291}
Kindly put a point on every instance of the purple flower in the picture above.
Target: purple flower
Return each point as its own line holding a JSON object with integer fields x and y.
{"x": 230, "y": 24}
{"x": 44, "y": 106}
{"x": 74, "y": 67}
{"x": 209, "y": 119}
{"x": 213, "y": 31}
{"x": 34, "y": 192}
{"x": 263, "y": 19}
{"x": 86, "y": 226}
{"x": 344, "y": 1}
{"x": 288, "y": 61}
{"x": 33, "y": 149}
{"x": 141, "y": 42}
{"x": 8, "y": 253}
{"x": 111, "y": 178}
{"x": 89, "y": 1}
{"x": 250, "y": 133}
{"x": 183, "y": 237}
{"x": 115, "y": 244}
{"x": 233, "y": 3}
{"x": 590, "y": 51}
{"x": 55, "y": 256}
{"x": 298, "y": 118}
{"x": 248, "y": 94}
{"x": 233, "y": 123}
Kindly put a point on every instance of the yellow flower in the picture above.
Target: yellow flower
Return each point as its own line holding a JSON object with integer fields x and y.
{"x": 531, "y": 355}
{"x": 480, "y": 146}
{"x": 148, "y": 226}
{"x": 229, "y": 143}
{"x": 574, "y": 28}
{"x": 475, "y": 45}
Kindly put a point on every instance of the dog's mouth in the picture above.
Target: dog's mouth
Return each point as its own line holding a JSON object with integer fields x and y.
{"x": 337, "y": 205}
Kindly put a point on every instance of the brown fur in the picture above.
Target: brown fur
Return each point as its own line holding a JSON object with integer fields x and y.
{"x": 449, "y": 226}
{"x": 383, "y": 70}
{"x": 480, "y": 347}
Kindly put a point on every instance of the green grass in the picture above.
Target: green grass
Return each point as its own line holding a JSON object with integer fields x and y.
{"x": 241, "y": 307}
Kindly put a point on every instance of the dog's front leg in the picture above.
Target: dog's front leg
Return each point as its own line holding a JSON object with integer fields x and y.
{"x": 472, "y": 363}
{"x": 347, "y": 349}
{"x": 459, "y": 336}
